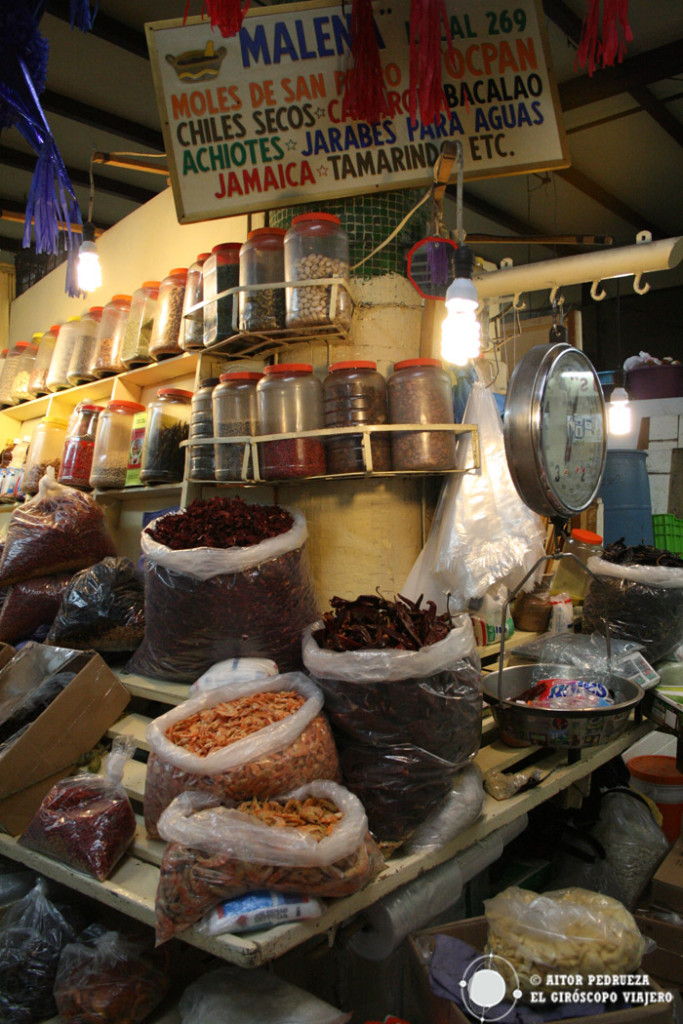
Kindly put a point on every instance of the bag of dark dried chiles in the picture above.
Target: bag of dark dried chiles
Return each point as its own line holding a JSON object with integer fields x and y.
{"x": 402, "y": 688}
{"x": 224, "y": 579}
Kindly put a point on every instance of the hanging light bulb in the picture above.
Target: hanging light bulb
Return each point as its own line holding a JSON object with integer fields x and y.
{"x": 89, "y": 271}
{"x": 619, "y": 413}
{"x": 461, "y": 331}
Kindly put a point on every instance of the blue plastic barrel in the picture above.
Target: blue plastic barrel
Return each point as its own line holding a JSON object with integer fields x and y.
{"x": 625, "y": 491}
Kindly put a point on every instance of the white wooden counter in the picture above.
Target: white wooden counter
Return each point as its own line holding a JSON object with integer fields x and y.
{"x": 132, "y": 887}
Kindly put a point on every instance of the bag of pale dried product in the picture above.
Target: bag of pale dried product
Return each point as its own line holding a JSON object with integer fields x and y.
{"x": 59, "y": 530}
{"x": 252, "y": 997}
{"x": 256, "y": 738}
{"x": 224, "y": 579}
{"x": 313, "y": 840}
{"x": 570, "y": 931}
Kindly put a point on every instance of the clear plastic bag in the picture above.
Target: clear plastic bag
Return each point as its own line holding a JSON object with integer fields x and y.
{"x": 568, "y": 931}
{"x": 232, "y": 671}
{"x": 271, "y": 760}
{"x": 32, "y": 934}
{"x": 429, "y": 698}
{"x": 641, "y": 603}
{"x": 215, "y": 852}
{"x": 203, "y": 605}
{"x": 482, "y": 531}
{"x": 87, "y": 821}
{"x": 59, "y": 530}
{"x": 399, "y": 786}
{"x": 577, "y": 649}
{"x": 102, "y": 609}
{"x": 460, "y": 809}
{"x": 110, "y": 977}
{"x": 252, "y": 997}
{"x": 30, "y": 605}
{"x": 14, "y": 885}
{"x": 633, "y": 841}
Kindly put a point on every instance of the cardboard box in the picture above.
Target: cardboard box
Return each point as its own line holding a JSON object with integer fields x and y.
{"x": 474, "y": 932}
{"x": 72, "y": 724}
{"x": 665, "y": 963}
{"x": 667, "y": 884}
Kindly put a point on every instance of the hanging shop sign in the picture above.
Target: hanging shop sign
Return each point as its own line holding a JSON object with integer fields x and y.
{"x": 254, "y": 121}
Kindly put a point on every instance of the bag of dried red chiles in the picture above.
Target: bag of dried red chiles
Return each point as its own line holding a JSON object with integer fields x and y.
{"x": 59, "y": 530}
{"x": 224, "y": 579}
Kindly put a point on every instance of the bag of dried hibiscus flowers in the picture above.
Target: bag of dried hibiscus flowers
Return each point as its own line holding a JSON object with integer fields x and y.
{"x": 224, "y": 579}
{"x": 314, "y": 841}
{"x": 256, "y": 738}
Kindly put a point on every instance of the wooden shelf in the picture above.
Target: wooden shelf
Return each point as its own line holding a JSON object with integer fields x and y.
{"x": 132, "y": 887}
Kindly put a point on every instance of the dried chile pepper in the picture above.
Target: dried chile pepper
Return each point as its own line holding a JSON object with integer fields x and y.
{"x": 220, "y": 523}
{"x": 374, "y": 621}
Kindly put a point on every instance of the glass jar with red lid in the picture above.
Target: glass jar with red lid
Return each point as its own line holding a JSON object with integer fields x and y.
{"x": 354, "y": 393}
{"x": 316, "y": 246}
{"x": 290, "y": 400}
{"x": 235, "y": 414}
{"x": 221, "y": 274}
{"x": 168, "y": 425}
{"x": 83, "y": 353}
{"x": 192, "y": 324}
{"x": 262, "y": 262}
{"x": 112, "y": 444}
{"x": 79, "y": 446}
{"x": 20, "y": 391}
{"x": 110, "y": 334}
{"x": 169, "y": 315}
{"x": 143, "y": 308}
{"x": 419, "y": 391}
{"x": 45, "y": 343}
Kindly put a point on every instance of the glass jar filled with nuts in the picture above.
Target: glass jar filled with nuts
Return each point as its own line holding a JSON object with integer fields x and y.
{"x": 316, "y": 247}
{"x": 169, "y": 315}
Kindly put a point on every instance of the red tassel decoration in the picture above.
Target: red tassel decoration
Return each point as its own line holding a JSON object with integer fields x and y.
{"x": 365, "y": 97}
{"x": 226, "y": 15}
{"x": 616, "y": 33}
{"x": 426, "y": 91}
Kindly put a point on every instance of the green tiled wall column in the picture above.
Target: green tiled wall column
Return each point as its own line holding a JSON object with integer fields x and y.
{"x": 368, "y": 220}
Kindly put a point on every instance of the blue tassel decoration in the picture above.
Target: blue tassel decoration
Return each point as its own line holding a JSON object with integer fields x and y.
{"x": 81, "y": 16}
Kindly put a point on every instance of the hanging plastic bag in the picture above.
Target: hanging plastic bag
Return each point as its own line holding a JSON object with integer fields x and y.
{"x": 234, "y": 670}
{"x": 482, "y": 532}
{"x": 110, "y": 977}
{"x": 87, "y": 821}
{"x": 59, "y": 530}
{"x": 313, "y": 840}
{"x": 252, "y": 997}
{"x": 102, "y": 609}
{"x": 273, "y": 744}
{"x": 460, "y": 809}
{"x": 32, "y": 934}
{"x": 206, "y": 604}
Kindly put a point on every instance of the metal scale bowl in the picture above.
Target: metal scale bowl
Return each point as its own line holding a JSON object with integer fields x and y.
{"x": 555, "y": 444}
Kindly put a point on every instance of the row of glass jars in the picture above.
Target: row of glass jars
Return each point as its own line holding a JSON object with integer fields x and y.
{"x": 96, "y": 448}
{"x": 288, "y": 398}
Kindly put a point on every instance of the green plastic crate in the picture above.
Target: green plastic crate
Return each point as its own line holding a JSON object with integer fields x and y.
{"x": 668, "y": 533}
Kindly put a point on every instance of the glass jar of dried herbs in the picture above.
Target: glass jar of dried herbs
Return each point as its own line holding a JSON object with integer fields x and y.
{"x": 168, "y": 424}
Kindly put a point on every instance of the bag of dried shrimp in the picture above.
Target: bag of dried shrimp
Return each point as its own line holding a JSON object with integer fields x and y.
{"x": 255, "y": 738}
{"x": 314, "y": 841}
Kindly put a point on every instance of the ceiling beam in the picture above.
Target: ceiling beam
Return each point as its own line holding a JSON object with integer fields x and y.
{"x": 10, "y": 244}
{"x": 104, "y": 27}
{"x": 565, "y": 19}
{"x": 26, "y": 162}
{"x": 94, "y": 117}
{"x": 653, "y": 66}
{"x": 658, "y": 111}
{"x": 610, "y": 202}
{"x": 496, "y": 215}
{"x": 13, "y": 211}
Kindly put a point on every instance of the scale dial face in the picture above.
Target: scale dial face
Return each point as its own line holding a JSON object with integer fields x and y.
{"x": 555, "y": 438}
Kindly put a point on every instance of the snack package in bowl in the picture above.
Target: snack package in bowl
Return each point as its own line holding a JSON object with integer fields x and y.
{"x": 571, "y": 931}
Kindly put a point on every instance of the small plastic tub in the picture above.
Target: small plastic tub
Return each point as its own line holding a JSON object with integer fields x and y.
{"x": 656, "y": 776}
